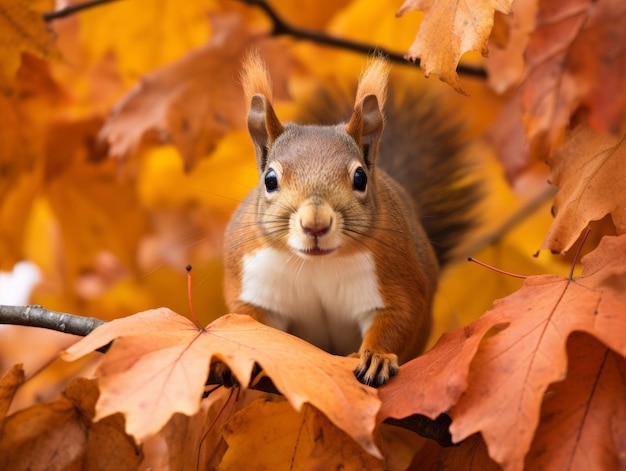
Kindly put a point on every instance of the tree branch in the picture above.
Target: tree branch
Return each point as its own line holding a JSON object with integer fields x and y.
{"x": 281, "y": 27}
{"x": 37, "y": 316}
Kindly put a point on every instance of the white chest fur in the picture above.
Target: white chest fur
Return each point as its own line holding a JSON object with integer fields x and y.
{"x": 328, "y": 301}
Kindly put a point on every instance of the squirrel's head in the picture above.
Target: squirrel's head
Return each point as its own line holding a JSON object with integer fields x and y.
{"x": 316, "y": 191}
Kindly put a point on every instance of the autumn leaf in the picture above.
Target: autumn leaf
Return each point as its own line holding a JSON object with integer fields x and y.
{"x": 469, "y": 455}
{"x": 505, "y": 64}
{"x": 449, "y": 29}
{"x": 196, "y": 441}
{"x": 575, "y": 58}
{"x": 64, "y": 436}
{"x": 443, "y": 377}
{"x": 278, "y": 436}
{"x": 511, "y": 369}
{"x": 22, "y": 30}
{"x": 9, "y": 385}
{"x": 585, "y": 413}
{"x": 190, "y": 103}
{"x": 163, "y": 352}
{"x": 589, "y": 170}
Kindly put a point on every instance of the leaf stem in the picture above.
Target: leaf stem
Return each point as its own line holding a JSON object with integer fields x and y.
{"x": 190, "y": 298}
{"x": 497, "y": 270}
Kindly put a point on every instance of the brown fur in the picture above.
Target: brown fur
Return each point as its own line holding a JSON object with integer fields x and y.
{"x": 315, "y": 167}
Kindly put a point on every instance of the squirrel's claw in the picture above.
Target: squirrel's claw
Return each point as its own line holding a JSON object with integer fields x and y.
{"x": 375, "y": 369}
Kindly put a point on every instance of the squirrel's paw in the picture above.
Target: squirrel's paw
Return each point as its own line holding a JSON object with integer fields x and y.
{"x": 375, "y": 369}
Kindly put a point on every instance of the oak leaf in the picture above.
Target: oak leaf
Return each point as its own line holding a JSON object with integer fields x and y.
{"x": 499, "y": 379}
{"x": 575, "y": 58}
{"x": 22, "y": 30}
{"x": 589, "y": 170}
{"x": 64, "y": 437}
{"x": 451, "y": 28}
{"x": 159, "y": 363}
{"x": 583, "y": 416}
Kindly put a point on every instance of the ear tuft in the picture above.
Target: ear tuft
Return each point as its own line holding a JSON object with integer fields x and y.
{"x": 263, "y": 124}
{"x": 374, "y": 81}
{"x": 255, "y": 77}
{"x": 367, "y": 121}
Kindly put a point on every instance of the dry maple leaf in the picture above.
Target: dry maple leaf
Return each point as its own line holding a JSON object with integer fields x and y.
{"x": 449, "y": 29}
{"x": 278, "y": 436}
{"x": 512, "y": 369}
{"x": 159, "y": 363}
{"x": 60, "y": 435}
{"x": 470, "y": 455}
{"x": 575, "y": 57}
{"x": 503, "y": 376}
{"x": 505, "y": 65}
{"x": 22, "y": 29}
{"x": 190, "y": 103}
{"x": 589, "y": 169}
{"x": 585, "y": 414}
{"x": 9, "y": 385}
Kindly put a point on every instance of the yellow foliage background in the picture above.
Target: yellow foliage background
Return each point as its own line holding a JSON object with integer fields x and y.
{"x": 113, "y": 237}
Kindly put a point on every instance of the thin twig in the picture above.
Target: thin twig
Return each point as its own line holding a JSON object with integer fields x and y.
{"x": 512, "y": 221}
{"x": 281, "y": 27}
{"x": 37, "y": 316}
{"x": 72, "y": 9}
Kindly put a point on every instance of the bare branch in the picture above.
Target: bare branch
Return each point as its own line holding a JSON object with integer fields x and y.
{"x": 281, "y": 27}
{"x": 37, "y": 316}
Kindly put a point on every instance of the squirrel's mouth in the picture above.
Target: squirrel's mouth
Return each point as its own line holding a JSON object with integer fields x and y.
{"x": 316, "y": 251}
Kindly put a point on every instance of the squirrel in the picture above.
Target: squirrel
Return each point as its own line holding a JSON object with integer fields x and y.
{"x": 342, "y": 241}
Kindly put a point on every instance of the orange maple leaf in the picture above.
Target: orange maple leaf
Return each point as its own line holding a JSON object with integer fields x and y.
{"x": 159, "y": 363}
{"x": 449, "y": 29}
{"x": 190, "y": 103}
{"x": 589, "y": 170}
{"x": 585, "y": 413}
{"x": 9, "y": 384}
{"x": 575, "y": 56}
{"x": 500, "y": 380}
{"x": 60, "y": 435}
{"x": 22, "y": 29}
{"x": 275, "y": 434}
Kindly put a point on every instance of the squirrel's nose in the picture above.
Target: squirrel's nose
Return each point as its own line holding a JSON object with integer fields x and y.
{"x": 315, "y": 228}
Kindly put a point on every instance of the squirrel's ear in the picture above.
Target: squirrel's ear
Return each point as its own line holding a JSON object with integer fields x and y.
{"x": 366, "y": 127}
{"x": 263, "y": 126}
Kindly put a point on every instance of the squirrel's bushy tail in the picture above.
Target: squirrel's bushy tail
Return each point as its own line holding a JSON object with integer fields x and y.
{"x": 423, "y": 148}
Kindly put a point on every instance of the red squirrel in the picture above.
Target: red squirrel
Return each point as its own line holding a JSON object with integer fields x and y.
{"x": 332, "y": 248}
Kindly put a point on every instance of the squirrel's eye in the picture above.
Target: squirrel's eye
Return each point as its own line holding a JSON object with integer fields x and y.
{"x": 271, "y": 181}
{"x": 360, "y": 180}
